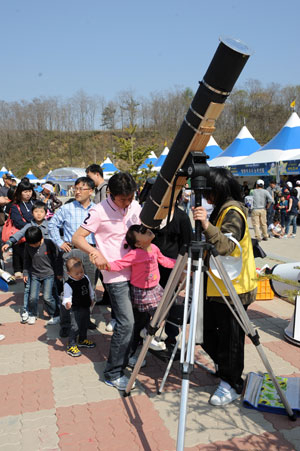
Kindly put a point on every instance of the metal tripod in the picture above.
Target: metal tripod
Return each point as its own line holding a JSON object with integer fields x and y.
{"x": 195, "y": 263}
{"x": 193, "y": 257}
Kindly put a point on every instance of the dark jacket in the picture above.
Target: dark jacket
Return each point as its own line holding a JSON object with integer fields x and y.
{"x": 17, "y": 217}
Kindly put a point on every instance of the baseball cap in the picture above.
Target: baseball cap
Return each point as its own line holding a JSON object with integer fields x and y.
{"x": 49, "y": 187}
{"x": 298, "y": 182}
{"x": 260, "y": 182}
{"x": 289, "y": 184}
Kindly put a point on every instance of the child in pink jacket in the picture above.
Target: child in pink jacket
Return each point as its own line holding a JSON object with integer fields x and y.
{"x": 146, "y": 293}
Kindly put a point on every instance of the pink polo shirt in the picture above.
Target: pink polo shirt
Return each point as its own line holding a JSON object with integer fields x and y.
{"x": 109, "y": 224}
{"x": 145, "y": 272}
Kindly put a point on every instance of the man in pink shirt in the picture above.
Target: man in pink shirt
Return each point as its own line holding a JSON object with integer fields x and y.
{"x": 109, "y": 221}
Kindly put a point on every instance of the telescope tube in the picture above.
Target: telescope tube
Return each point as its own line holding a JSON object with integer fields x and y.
{"x": 197, "y": 127}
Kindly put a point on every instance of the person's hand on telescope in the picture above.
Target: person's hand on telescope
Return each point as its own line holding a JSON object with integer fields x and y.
{"x": 98, "y": 260}
{"x": 200, "y": 214}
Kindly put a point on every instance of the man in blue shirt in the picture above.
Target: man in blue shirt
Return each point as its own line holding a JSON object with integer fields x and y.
{"x": 69, "y": 218}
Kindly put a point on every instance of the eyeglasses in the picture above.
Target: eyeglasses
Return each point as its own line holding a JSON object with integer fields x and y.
{"x": 81, "y": 189}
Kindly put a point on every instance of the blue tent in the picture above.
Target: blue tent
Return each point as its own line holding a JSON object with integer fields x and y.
{"x": 108, "y": 168}
{"x": 31, "y": 177}
{"x": 151, "y": 159}
{"x": 244, "y": 144}
{"x": 212, "y": 149}
{"x": 161, "y": 159}
{"x": 285, "y": 146}
{"x": 3, "y": 171}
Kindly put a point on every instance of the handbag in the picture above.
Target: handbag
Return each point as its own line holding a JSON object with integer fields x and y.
{"x": 9, "y": 228}
{"x": 232, "y": 265}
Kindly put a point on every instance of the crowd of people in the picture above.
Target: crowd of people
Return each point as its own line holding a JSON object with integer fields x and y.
{"x": 66, "y": 248}
{"x": 274, "y": 209}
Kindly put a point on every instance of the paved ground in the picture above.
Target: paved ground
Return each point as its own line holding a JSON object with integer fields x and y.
{"x": 52, "y": 401}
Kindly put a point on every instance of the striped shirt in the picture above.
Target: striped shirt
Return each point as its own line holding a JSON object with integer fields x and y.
{"x": 68, "y": 218}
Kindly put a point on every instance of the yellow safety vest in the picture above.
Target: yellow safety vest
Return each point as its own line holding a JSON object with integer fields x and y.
{"x": 246, "y": 281}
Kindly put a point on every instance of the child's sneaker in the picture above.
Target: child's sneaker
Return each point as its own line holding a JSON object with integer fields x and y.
{"x": 86, "y": 344}
{"x": 53, "y": 320}
{"x": 154, "y": 344}
{"x": 31, "y": 320}
{"x": 111, "y": 325}
{"x": 73, "y": 351}
{"x": 24, "y": 317}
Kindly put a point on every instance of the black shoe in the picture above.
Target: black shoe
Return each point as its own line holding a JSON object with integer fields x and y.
{"x": 265, "y": 239}
{"x": 86, "y": 344}
{"x": 63, "y": 333}
{"x": 92, "y": 326}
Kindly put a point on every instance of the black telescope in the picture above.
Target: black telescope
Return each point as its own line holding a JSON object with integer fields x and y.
{"x": 197, "y": 127}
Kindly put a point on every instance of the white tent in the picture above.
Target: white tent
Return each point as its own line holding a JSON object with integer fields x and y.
{"x": 108, "y": 168}
{"x": 161, "y": 159}
{"x": 32, "y": 178}
{"x": 244, "y": 144}
{"x": 212, "y": 149}
{"x": 151, "y": 159}
{"x": 285, "y": 146}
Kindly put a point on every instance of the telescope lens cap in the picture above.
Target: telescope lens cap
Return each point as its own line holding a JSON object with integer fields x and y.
{"x": 236, "y": 45}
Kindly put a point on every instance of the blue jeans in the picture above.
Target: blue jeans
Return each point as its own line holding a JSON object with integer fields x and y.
{"x": 49, "y": 300}
{"x": 119, "y": 293}
{"x": 26, "y": 294}
{"x": 291, "y": 219}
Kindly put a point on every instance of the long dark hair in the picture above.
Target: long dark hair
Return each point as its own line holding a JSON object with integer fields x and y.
{"x": 23, "y": 186}
{"x": 223, "y": 187}
{"x": 131, "y": 237}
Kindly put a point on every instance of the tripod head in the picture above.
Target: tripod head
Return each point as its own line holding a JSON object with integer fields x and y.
{"x": 197, "y": 169}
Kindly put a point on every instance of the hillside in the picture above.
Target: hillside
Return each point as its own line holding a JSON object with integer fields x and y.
{"x": 42, "y": 151}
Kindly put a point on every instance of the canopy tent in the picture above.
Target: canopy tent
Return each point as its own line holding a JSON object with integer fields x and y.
{"x": 285, "y": 146}
{"x": 244, "y": 144}
{"x": 108, "y": 168}
{"x": 65, "y": 177}
{"x": 3, "y": 171}
{"x": 13, "y": 176}
{"x": 161, "y": 159}
{"x": 32, "y": 178}
{"x": 151, "y": 159}
{"x": 212, "y": 149}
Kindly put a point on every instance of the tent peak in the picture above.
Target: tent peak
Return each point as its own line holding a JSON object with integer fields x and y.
{"x": 293, "y": 121}
{"x": 244, "y": 133}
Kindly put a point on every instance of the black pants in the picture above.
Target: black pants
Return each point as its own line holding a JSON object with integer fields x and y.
{"x": 18, "y": 257}
{"x": 224, "y": 342}
{"x": 141, "y": 320}
{"x": 89, "y": 270}
{"x": 79, "y": 324}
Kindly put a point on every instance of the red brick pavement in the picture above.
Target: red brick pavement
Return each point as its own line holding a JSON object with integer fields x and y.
{"x": 132, "y": 423}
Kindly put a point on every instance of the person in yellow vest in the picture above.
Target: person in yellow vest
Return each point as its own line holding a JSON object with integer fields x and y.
{"x": 224, "y": 339}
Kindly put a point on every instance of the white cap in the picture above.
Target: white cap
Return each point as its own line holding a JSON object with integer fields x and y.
{"x": 260, "y": 182}
{"x": 289, "y": 184}
{"x": 49, "y": 187}
{"x": 298, "y": 182}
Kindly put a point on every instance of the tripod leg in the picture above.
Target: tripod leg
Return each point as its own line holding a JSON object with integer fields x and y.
{"x": 159, "y": 316}
{"x": 161, "y": 387}
{"x": 252, "y": 334}
{"x": 187, "y": 350}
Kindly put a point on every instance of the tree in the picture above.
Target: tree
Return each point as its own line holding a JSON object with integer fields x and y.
{"x": 109, "y": 116}
{"x": 134, "y": 156}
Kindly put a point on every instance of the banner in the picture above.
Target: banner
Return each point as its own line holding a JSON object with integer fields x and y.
{"x": 267, "y": 169}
